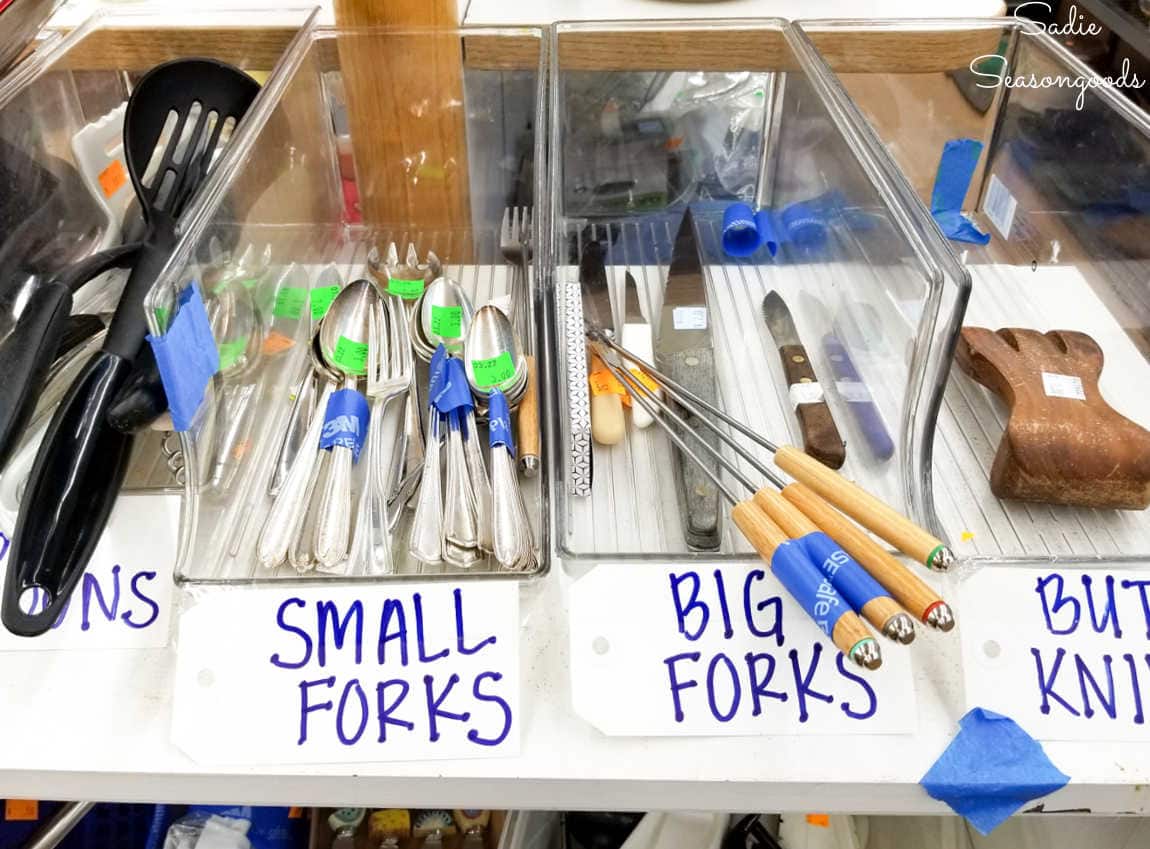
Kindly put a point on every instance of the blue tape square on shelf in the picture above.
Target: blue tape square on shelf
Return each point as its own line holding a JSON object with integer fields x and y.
{"x": 990, "y": 770}
{"x": 186, "y": 357}
{"x": 955, "y": 170}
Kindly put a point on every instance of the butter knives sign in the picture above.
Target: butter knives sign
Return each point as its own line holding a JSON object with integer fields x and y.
{"x": 821, "y": 438}
{"x": 684, "y": 352}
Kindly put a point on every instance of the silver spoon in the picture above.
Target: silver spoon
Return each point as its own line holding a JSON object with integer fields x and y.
{"x": 493, "y": 356}
{"x": 343, "y": 339}
{"x": 445, "y": 315}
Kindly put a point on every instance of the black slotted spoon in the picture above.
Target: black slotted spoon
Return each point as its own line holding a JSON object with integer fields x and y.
{"x": 172, "y": 129}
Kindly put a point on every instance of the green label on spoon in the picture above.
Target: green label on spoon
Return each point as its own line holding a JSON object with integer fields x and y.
{"x": 407, "y": 289}
{"x": 162, "y": 317}
{"x": 350, "y": 356}
{"x": 289, "y": 302}
{"x": 493, "y": 372}
{"x": 230, "y": 352}
{"x": 321, "y": 300}
{"x": 446, "y": 322}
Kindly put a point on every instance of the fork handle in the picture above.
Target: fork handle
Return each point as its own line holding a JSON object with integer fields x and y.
{"x": 528, "y": 423}
{"x": 333, "y": 529}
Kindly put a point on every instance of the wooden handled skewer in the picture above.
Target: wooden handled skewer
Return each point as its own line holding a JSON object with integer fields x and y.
{"x": 852, "y": 499}
{"x": 792, "y": 567}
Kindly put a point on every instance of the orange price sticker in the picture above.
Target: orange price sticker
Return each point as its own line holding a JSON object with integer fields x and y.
{"x": 112, "y": 178}
{"x": 604, "y": 383}
{"x": 821, "y": 820}
{"x": 295, "y": 813}
{"x": 21, "y": 810}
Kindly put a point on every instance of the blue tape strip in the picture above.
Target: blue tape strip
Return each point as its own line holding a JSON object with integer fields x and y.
{"x": 991, "y": 769}
{"x": 852, "y": 581}
{"x": 811, "y": 589}
{"x": 455, "y": 391}
{"x": 345, "y": 422}
{"x": 955, "y": 170}
{"x": 437, "y": 371}
{"x": 766, "y": 229}
{"x": 499, "y": 422}
{"x": 187, "y": 357}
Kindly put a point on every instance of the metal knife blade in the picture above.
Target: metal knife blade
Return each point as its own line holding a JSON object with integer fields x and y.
{"x": 821, "y": 437}
{"x": 596, "y": 291}
{"x": 683, "y": 350}
{"x": 632, "y": 307}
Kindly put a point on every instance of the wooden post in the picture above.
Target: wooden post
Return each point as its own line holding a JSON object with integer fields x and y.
{"x": 406, "y": 111}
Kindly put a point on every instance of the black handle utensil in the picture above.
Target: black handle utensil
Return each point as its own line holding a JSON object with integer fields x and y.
{"x": 172, "y": 129}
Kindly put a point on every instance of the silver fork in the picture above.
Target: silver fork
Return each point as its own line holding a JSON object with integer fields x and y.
{"x": 515, "y": 245}
{"x": 390, "y": 365}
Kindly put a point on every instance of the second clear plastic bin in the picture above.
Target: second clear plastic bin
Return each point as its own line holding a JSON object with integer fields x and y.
{"x": 369, "y": 138}
{"x": 650, "y": 117}
{"x": 1061, "y": 189}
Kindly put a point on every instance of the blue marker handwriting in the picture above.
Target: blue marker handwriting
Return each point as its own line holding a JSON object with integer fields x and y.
{"x": 800, "y": 677}
{"x": 407, "y": 681}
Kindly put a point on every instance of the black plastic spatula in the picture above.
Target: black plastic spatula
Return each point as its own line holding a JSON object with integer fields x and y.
{"x": 173, "y": 127}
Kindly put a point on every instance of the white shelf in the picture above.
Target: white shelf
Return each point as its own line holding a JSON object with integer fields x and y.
{"x": 94, "y": 725}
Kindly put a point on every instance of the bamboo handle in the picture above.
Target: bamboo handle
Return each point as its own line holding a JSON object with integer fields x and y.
{"x": 790, "y": 518}
{"x": 860, "y": 505}
{"x": 529, "y": 422}
{"x": 848, "y": 632}
{"x": 607, "y": 422}
{"x": 907, "y": 588}
{"x": 765, "y": 536}
{"x": 879, "y": 611}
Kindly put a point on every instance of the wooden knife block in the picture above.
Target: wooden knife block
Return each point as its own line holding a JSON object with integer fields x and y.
{"x": 1057, "y": 450}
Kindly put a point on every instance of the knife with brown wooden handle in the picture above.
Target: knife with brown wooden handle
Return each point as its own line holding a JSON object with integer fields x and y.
{"x": 821, "y": 437}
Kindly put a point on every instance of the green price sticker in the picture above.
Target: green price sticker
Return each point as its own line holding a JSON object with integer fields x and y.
{"x": 289, "y": 302}
{"x": 321, "y": 300}
{"x": 446, "y": 322}
{"x": 406, "y": 289}
{"x": 250, "y": 283}
{"x": 351, "y": 356}
{"x": 493, "y": 372}
{"x": 230, "y": 352}
{"x": 162, "y": 317}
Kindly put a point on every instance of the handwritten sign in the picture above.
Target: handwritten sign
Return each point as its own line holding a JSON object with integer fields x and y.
{"x": 1064, "y": 652}
{"x": 720, "y": 650}
{"x": 124, "y": 599}
{"x": 346, "y": 674}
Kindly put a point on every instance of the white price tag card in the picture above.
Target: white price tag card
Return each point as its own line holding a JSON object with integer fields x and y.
{"x": 347, "y": 674}
{"x": 689, "y": 318}
{"x": 1061, "y": 651}
{"x": 720, "y": 650}
{"x": 1063, "y": 386}
{"x": 124, "y": 599}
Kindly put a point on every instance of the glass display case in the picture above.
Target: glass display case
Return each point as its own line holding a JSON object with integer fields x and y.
{"x": 1054, "y": 465}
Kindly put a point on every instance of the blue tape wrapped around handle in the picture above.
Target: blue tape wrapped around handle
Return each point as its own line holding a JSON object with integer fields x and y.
{"x": 345, "y": 422}
{"x": 955, "y": 169}
{"x": 852, "y": 581}
{"x": 804, "y": 224}
{"x": 437, "y": 372}
{"x": 858, "y": 397}
{"x": 186, "y": 357}
{"x": 813, "y": 591}
{"x": 455, "y": 392}
{"x": 499, "y": 422}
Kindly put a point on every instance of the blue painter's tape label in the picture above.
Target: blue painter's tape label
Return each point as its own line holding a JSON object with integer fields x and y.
{"x": 345, "y": 421}
{"x": 810, "y": 588}
{"x": 455, "y": 393}
{"x": 852, "y": 581}
{"x": 186, "y": 357}
{"x": 499, "y": 422}
{"x": 437, "y": 372}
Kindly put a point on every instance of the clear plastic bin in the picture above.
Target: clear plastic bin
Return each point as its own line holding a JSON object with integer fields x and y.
{"x": 735, "y": 110}
{"x": 1061, "y": 189}
{"x": 325, "y": 151}
{"x": 73, "y": 80}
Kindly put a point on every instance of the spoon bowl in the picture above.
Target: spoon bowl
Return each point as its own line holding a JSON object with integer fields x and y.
{"x": 445, "y": 315}
{"x": 493, "y": 357}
